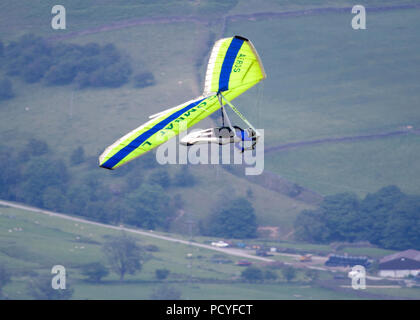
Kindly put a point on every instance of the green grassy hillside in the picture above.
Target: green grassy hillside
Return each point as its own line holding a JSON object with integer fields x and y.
{"x": 72, "y": 244}
{"x": 66, "y": 117}
{"x": 327, "y": 80}
{"x": 324, "y": 80}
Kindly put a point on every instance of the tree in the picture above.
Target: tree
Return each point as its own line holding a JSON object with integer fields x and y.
{"x": 36, "y": 70}
{"x": 270, "y": 275}
{"x": 80, "y": 196}
{"x": 289, "y": 273}
{"x": 144, "y": 79}
{"x": 337, "y": 219}
{"x": 42, "y": 172}
{"x": 54, "y": 199}
{"x": 342, "y": 213}
{"x": 402, "y": 230}
{"x": 82, "y": 80}
{"x": 19, "y": 56}
{"x": 61, "y": 74}
{"x": 94, "y": 271}
{"x": 40, "y": 289}
{"x": 113, "y": 75}
{"x": 124, "y": 255}
{"x": 33, "y": 59}
{"x": 5, "y": 278}
{"x": 6, "y": 89}
{"x": 36, "y": 147}
{"x": 96, "y": 210}
{"x": 309, "y": 226}
{"x": 150, "y": 207}
{"x": 166, "y": 292}
{"x": 160, "y": 177}
{"x": 235, "y": 220}
{"x": 252, "y": 274}
{"x": 387, "y": 218}
{"x": 161, "y": 274}
{"x": 184, "y": 178}
{"x": 312, "y": 274}
{"x": 376, "y": 209}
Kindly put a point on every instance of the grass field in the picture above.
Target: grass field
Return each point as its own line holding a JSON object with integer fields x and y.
{"x": 359, "y": 167}
{"x": 54, "y": 241}
{"x": 327, "y": 80}
{"x": 324, "y": 80}
{"x": 26, "y": 15}
{"x": 57, "y": 241}
{"x": 95, "y": 118}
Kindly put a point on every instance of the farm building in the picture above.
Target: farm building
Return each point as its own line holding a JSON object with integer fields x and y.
{"x": 335, "y": 260}
{"x": 400, "y": 264}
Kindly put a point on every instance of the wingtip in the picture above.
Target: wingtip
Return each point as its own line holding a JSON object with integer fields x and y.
{"x": 241, "y": 38}
{"x": 102, "y": 166}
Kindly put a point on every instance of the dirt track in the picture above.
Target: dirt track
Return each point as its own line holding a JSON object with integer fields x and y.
{"x": 292, "y": 145}
{"x": 226, "y": 19}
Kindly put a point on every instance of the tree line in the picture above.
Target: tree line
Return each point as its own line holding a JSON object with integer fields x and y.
{"x": 388, "y": 218}
{"x": 232, "y": 218}
{"x": 35, "y": 175}
{"x": 34, "y": 59}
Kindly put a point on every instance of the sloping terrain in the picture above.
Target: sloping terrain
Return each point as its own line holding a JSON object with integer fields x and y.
{"x": 325, "y": 80}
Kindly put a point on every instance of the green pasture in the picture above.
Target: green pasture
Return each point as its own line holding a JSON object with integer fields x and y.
{"x": 72, "y": 244}
{"x": 327, "y": 80}
{"x": 54, "y": 240}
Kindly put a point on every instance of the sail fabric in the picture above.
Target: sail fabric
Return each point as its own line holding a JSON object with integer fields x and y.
{"x": 234, "y": 67}
{"x": 157, "y": 131}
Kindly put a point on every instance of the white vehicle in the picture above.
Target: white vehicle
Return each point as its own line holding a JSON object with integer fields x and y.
{"x": 220, "y": 244}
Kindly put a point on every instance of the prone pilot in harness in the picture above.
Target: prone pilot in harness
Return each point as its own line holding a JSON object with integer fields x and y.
{"x": 244, "y": 139}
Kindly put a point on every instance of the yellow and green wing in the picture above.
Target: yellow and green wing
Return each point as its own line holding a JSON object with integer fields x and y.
{"x": 157, "y": 131}
{"x": 233, "y": 68}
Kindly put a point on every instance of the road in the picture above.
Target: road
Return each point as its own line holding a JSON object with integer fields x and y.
{"x": 229, "y": 251}
{"x": 318, "y": 260}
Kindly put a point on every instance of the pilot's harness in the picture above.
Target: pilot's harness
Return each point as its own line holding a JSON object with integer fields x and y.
{"x": 249, "y": 134}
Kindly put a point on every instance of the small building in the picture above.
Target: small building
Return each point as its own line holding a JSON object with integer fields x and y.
{"x": 400, "y": 264}
{"x": 335, "y": 260}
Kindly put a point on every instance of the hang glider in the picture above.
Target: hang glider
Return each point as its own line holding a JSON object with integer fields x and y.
{"x": 234, "y": 67}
